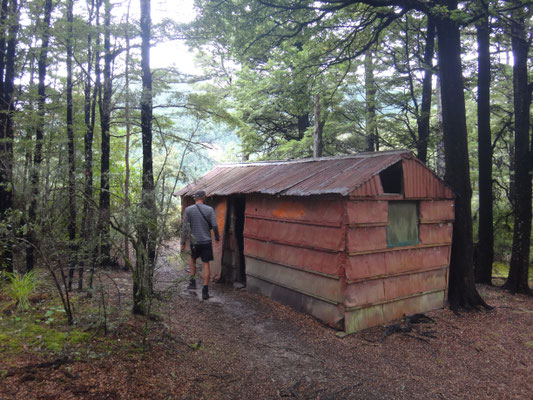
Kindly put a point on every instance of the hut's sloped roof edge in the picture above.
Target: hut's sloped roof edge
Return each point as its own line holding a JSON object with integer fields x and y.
{"x": 305, "y": 177}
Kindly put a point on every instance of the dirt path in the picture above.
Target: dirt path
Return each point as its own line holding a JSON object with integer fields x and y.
{"x": 239, "y": 345}
{"x": 253, "y": 347}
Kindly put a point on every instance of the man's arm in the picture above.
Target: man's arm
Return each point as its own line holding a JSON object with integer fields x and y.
{"x": 185, "y": 227}
{"x": 214, "y": 225}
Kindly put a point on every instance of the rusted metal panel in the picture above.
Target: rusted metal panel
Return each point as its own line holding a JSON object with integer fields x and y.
{"x": 364, "y": 293}
{"x": 328, "y": 313}
{"x": 420, "y": 182}
{"x": 371, "y": 188}
{"x": 314, "y": 285}
{"x": 436, "y": 233}
{"x": 371, "y": 292}
{"x": 398, "y": 261}
{"x": 423, "y": 258}
{"x": 357, "y": 320}
{"x": 310, "y": 210}
{"x": 378, "y": 314}
{"x": 367, "y": 238}
{"x": 436, "y": 210}
{"x": 294, "y": 233}
{"x": 300, "y": 257}
{"x": 406, "y": 285}
{"x": 417, "y": 304}
{"x": 336, "y": 175}
{"x": 365, "y": 266}
{"x": 367, "y": 212}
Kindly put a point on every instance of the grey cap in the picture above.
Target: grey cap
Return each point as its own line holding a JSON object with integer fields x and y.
{"x": 200, "y": 194}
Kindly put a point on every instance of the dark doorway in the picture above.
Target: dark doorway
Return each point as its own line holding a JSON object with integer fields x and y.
{"x": 233, "y": 263}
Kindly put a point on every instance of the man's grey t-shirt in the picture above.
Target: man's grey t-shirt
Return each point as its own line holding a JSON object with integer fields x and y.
{"x": 197, "y": 225}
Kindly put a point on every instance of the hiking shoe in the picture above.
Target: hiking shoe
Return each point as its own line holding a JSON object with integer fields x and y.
{"x": 205, "y": 293}
{"x": 191, "y": 285}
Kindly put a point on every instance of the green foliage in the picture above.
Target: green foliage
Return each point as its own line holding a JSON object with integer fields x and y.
{"x": 19, "y": 288}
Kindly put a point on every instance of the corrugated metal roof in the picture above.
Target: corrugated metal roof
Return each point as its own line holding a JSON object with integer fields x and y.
{"x": 329, "y": 175}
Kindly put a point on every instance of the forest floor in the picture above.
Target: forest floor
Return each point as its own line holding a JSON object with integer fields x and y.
{"x": 239, "y": 345}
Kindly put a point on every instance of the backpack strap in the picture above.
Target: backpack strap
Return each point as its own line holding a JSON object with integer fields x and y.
{"x": 206, "y": 220}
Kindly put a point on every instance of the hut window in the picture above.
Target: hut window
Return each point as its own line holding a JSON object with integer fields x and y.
{"x": 403, "y": 223}
{"x": 392, "y": 179}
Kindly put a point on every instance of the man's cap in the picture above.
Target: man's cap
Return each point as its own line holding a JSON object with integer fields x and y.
{"x": 200, "y": 194}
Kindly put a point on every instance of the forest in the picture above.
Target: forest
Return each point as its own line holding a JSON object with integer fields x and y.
{"x": 104, "y": 116}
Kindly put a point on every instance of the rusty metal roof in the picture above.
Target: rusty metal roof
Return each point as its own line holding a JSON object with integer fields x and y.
{"x": 329, "y": 175}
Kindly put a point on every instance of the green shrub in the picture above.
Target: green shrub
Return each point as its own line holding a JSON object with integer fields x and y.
{"x": 20, "y": 287}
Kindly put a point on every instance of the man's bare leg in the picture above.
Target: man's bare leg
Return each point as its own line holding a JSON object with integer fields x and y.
{"x": 192, "y": 273}
{"x": 205, "y": 274}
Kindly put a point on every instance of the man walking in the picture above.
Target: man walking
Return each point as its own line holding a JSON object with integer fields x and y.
{"x": 198, "y": 220}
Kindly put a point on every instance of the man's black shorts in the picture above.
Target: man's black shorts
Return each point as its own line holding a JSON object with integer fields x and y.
{"x": 202, "y": 250}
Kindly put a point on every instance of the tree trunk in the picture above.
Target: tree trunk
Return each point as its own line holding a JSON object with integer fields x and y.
{"x": 90, "y": 122}
{"x": 303, "y": 124}
{"x": 38, "y": 152}
{"x": 71, "y": 160}
{"x": 440, "y": 157}
{"x": 425, "y": 112}
{"x": 144, "y": 271}
{"x": 128, "y": 134}
{"x": 462, "y": 291}
{"x": 6, "y": 127}
{"x": 370, "y": 98}
{"x": 105, "y": 123}
{"x": 89, "y": 111}
{"x": 318, "y": 144}
{"x": 485, "y": 246}
{"x": 517, "y": 281}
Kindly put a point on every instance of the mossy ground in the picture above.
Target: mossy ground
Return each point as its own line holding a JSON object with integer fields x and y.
{"x": 43, "y": 331}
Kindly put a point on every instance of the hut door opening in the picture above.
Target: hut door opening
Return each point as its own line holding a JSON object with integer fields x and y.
{"x": 233, "y": 267}
{"x": 240, "y": 268}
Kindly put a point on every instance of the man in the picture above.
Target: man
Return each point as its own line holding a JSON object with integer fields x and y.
{"x": 198, "y": 220}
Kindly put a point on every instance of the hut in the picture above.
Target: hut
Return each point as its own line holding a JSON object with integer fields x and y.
{"x": 355, "y": 241}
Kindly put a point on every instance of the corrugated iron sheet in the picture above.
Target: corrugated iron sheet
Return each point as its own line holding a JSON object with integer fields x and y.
{"x": 420, "y": 182}
{"x": 336, "y": 175}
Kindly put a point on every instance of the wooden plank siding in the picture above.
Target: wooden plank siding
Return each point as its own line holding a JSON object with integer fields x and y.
{"x": 382, "y": 283}
{"x": 294, "y": 252}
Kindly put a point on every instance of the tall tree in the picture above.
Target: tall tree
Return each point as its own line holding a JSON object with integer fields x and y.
{"x": 517, "y": 281}
{"x": 485, "y": 247}
{"x": 424, "y": 116}
{"x": 372, "y": 141}
{"x": 145, "y": 247}
{"x": 90, "y": 101}
{"x": 70, "y": 141}
{"x": 39, "y": 129}
{"x": 10, "y": 16}
{"x": 105, "y": 145}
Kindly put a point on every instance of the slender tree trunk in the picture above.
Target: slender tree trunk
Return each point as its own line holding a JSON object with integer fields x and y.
{"x": 71, "y": 160}
{"x": 517, "y": 281}
{"x": 89, "y": 111}
{"x": 425, "y": 111}
{"x": 318, "y": 144}
{"x": 462, "y": 291}
{"x": 6, "y": 127}
{"x": 143, "y": 277}
{"x": 38, "y": 152}
{"x": 485, "y": 246}
{"x": 105, "y": 123}
{"x": 128, "y": 134}
{"x": 89, "y": 138}
{"x": 372, "y": 143}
